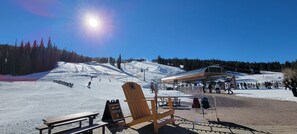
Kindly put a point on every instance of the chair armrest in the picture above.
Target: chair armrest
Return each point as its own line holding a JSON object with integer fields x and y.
{"x": 150, "y": 98}
{"x": 139, "y": 100}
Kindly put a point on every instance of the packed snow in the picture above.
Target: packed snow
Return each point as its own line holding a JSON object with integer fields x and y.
{"x": 26, "y": 100}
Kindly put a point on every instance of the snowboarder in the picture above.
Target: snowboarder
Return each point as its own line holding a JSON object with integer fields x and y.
{"x": 89, "y": 84}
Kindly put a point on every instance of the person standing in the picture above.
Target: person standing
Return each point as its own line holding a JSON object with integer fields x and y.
{"x": 286, "y": 83}
{"x": 152, "y": 87}
{"x": 293, "y": 86}
{"x": 217, "y": 88}
{"x": 222, "y": 86}
{"x": 210, "y": 88}
{"x": 203, "y": 87}
{"x": 245, "y": 85}
{"x": 230, "y": 87}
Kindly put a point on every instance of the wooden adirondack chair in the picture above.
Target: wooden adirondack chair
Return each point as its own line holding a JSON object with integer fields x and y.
{"x": 140, "y": 110}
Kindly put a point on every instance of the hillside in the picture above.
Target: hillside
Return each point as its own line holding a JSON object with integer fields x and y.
{"x": 25, "y": 103}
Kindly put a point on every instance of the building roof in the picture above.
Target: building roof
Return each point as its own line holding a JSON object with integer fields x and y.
{"x": 209, "y": 72}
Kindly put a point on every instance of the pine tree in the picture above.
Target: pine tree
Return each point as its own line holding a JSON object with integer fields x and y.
{"x": 43, "y": 61}
{"x": 119, "y": 61}
{"x": 27, "y": 65}
{"x": 34, "y": 57}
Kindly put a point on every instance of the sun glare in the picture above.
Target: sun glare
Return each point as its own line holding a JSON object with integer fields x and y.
{"x": 93, "y": 22}
{"x": 94, "y": 25}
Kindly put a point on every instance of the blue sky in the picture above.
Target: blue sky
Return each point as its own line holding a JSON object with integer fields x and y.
{"x": 241, "y": 30}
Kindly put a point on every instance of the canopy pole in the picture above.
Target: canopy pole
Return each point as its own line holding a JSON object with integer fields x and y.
{"x": 215, "y": 102}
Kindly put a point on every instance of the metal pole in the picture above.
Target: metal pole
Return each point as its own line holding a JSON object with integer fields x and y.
{"x": 215, "y": 102}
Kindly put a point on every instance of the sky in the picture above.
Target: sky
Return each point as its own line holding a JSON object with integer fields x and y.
{"x": 237, "y": 30}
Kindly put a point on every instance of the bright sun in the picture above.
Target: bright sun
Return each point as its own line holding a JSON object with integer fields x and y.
{"x": 93, "y": 22}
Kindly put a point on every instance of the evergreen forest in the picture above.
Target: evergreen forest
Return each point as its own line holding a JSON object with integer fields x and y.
{"x": 238, "y": 66}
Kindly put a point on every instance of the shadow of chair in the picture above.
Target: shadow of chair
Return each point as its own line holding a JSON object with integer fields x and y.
{"x": 216, "y": 127}
{"x": 139, "y": 108}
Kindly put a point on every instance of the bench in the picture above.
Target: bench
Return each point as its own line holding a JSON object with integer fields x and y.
{"x": 43, "y": 126}
{"x": 164, "y": 102}
{"x": 86, "y": 128}
{"x": 176, "y": 102}
{"x": 51, "y": 122}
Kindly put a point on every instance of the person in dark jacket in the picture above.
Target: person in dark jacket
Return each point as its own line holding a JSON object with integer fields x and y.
{"x": 210, "y": 88}
{"x": 287, "y": 84}
{"x": 293, "y": 85}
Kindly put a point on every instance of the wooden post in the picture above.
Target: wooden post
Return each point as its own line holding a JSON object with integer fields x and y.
{"x": 155, "y": 117}
{"x": 170, "y": 103}
{"x": 171, "y": 107}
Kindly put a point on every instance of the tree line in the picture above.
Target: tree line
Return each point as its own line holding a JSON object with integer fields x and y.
{"x": 238, "y": 66}
{"x": 27, "y": 58}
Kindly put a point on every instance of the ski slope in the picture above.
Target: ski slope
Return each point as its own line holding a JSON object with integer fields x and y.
{"x": 26, "y": 100}
{"x": 25, "y": 103}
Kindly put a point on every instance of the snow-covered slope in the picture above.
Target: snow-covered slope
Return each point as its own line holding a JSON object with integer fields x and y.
{"x": 23, "y": 104}
{"x": 149, "y": 69}
{"x": 275, "y": 93}
{"x": 263, "y": 77}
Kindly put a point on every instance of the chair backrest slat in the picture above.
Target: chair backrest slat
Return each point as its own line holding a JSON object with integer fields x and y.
{"x": 138, "y": 109}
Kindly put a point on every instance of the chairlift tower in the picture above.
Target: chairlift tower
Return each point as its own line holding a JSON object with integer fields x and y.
{"x": 143, "y": 70}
